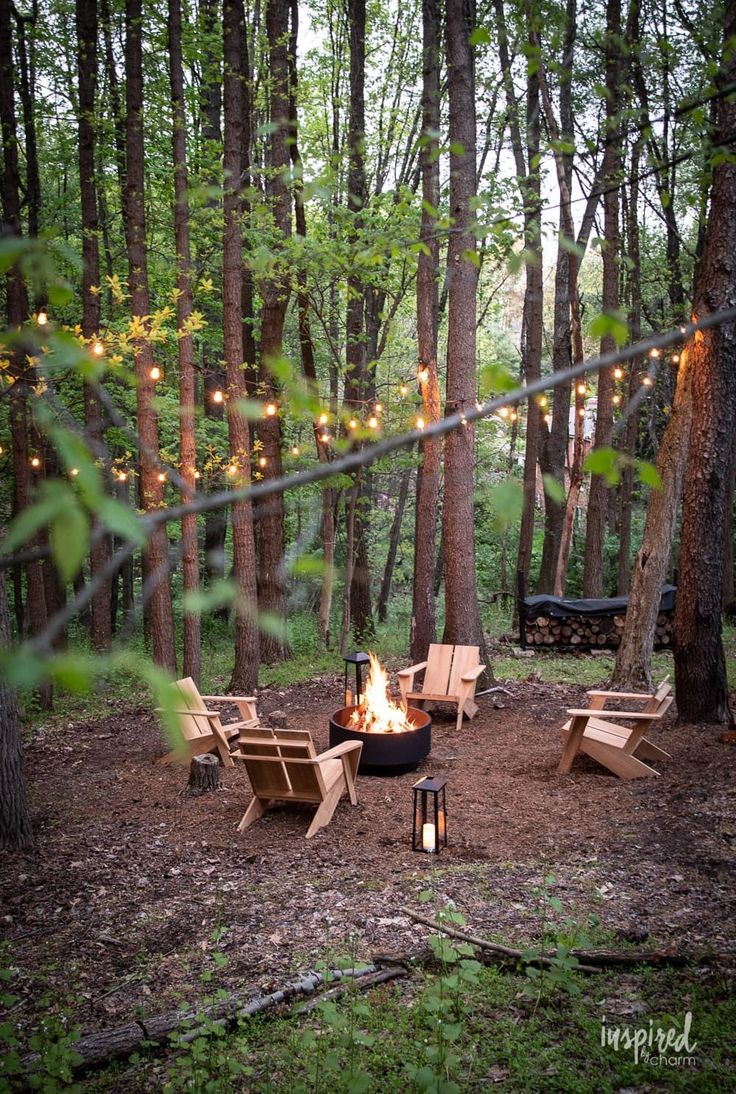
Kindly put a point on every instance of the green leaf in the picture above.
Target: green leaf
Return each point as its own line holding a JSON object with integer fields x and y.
{"x": 648, "y": 474}
{"x": 69, "y": 540}
{"x": 308, "y": 566}
{"x": 121, "y": 520}
{"x": 480, "y": 37}
{"x": 52, "y": 499}
{"x": 222, "y": 594}
{"x": 506, "y": 500}
{"x": 610, "y": 324}
{"x": 606, "y": 462}
{"x": 554, "y": 489}
{"x": 74, "y": 672}
{"x": 495, "y": 378}
{"x": 472, "y": 257}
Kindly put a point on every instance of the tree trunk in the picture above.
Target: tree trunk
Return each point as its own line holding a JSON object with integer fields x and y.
{"x": 423, "y": 616}
{"x": 275, "y": 292}
{"x": 184, "y": 308}
{"x": 159, "y": 608}
{"x": 462, "y": 619}
{"x": 700, "y": 667}
{"x": 358, "y": 382}
{"x": 16, "y": 299}
{"x": 593, "y": 577}
{"x": 393, "y": 544}
{"x": 247, "y": 653}
{"x": 100, "y": 631}
{"x": 15, "y": 818}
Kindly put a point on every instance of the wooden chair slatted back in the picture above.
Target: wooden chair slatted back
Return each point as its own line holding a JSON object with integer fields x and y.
{"x": 192, "y": 725}
{"x": 305, "y": 778}
{"x": 270, "y": 779}
{"x": 464, "y": 659}
{"x": 661, "y": 700}
{"x": 437, "y": 672}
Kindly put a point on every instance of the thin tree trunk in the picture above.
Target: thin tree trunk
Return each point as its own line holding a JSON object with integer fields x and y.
{"x": 100, "y": 630}
{"x": 247, "y": 653}
{"x": 184, "y": 308}
{"x": 593, "y": 577}
{"x": 462, "y": 618}
{"x": 700, "y": 666}
{"x": 307, "y": 347}
{"x": 423, "y": 615}
{"x": 275, "y": 293}
{"x": 15, "y": 819}
{"x": 393, "y": 544}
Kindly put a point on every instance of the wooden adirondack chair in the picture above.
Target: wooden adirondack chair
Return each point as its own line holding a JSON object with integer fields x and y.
{"x": 282, "y": 765}
{"x": 201, "y": 729}
{"x": 451, "y": 676}
{"x": 617, "y": 747}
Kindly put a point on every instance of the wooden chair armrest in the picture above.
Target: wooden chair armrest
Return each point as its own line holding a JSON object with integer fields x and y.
{"x": 188, "y": 710}
{"x": 606, "y": 714}
{"x": 621, "y": 694}
{"x": 473, "y": 674}
{"x": 229, "y": 698}
{"x": 339, "y": 750}
{"x": 413, "y": 670}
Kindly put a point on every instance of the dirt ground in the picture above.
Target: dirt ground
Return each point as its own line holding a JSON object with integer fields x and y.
{"x": 132, "y": 880}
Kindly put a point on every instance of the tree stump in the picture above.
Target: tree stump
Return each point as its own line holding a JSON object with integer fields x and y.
{"x": 204, "y": 775}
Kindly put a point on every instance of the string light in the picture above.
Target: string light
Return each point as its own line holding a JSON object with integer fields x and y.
{"x": 420, "y": 423}
{"x": 35, "y": 462}
{"x": 325, "y": 438}
{"x": 373, "y": 423}
{"x": 513, "y": 416}
{"x": 1, "y": 450}
{"x": 232, "y": 469}
{"x": 582, "y": 389}
{"x": 654, "y": 353}
{"x": 155, "y": 373}
{"x": 271, "y": 409}
{"x": 675, "y": 358}
{"x": 295, "y": 450}
{"x": 542, "y": 400}
{"x": 98, "y": 348}
{"x": 352, "y": 424}
{"x": 122, "y": 477}
{"x": 423, "y": 375}
{"x": 42, "y": 318}
{"x": 616, "y": 400}
{"x": 162, "y": 476}
{"x": 73, "y": 471}
{"x": 323, "y": 419}
{"x": 403, "y": 390}
{"x": 503, "y": 412}
{"x": 217, "y": 396}
{"x": 618, "y": 373}
{"x": 262, "y": 461}
{"x": 197, "y": 474}
{"x": 647, "y": 381}
{"x": 378, "y": 408}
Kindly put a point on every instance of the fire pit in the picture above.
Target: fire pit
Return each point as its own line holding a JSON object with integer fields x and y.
{"x": 394, "y": 738}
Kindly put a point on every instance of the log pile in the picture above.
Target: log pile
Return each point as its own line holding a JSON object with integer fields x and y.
{"x": 589, "y": 631}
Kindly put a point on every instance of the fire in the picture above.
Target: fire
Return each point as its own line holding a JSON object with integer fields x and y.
{"x": 376, "y": 713}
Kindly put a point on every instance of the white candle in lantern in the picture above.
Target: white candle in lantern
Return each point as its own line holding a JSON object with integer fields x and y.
{"x": 428, "y": 837}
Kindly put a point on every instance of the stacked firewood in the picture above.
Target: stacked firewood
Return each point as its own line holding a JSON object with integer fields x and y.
{"x": 599, "y": 631}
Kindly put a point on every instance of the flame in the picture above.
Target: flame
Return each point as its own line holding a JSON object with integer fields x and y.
{"x": 376, "y": 713}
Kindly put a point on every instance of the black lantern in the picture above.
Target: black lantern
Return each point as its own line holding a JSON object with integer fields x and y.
{"x": 430, "y": 816}
{"x": 357, "y": 659}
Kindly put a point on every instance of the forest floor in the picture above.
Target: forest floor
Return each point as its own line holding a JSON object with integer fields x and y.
{"x": 135, "y": 890}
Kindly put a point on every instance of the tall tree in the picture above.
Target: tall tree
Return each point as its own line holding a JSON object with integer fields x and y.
{"x": 156, "y": 559}
{"x": 462, "y": 618}
{"x": 247, "y": 651}
{"x": 275, "y": 292}
{"x": 185, "y": 341}
{"x": 701, "y": 685}
{"x": 358, "y": 382}
{"x": 87, "y": 31}
{"x": 15, "y": 818}
{"x": 598, "y": 494}
{"x": 423, "y": 622}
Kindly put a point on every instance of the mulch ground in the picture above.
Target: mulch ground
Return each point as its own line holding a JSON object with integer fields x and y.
{"x": 134, "y": 886}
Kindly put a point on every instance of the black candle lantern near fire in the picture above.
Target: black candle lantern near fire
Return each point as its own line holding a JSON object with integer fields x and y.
{"x": 430, "y": 816}
{"x": 357, "y": 659}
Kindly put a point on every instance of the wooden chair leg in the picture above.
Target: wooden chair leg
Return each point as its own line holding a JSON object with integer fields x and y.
{"x": 571, "y": 749}
{"x": 323, "y": 816}
{"x": 617, "y": 761}
{"x": 645, "y": 750}
{"x": 254, "y": 812}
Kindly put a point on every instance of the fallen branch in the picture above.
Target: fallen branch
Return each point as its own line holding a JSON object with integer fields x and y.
{"x": 360, "y": 983}
{"x": 100, "y": 1048}
{"x": 591, "y": 961}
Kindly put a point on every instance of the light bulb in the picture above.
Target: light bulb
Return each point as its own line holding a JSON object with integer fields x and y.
{"x": 616, "y": 400}
{"x": 582, "y": 389}
{"x": 35, "y": 462}
{"x": 162, "y": 476}
{"x": 654, "y": 353}
{"x": 403, "y": 390}
{"x": 420, "y": 423}
{"x": 503, "y": 412}
{"x": 323, "y": 419}
{"x": 325, "y": 438}
{"x": 271, "y": 409}
{"x": 378, "y": 408}
{"x": 373, "y": 423}
{"x": 352, "y": 424}
{"x": 232, "y": 469}
{"x": 73, "y": 471}
{"x": 197, "y": 474}
{"x": 155, "y": 373}
{"x": 217, "y": 396}
{"x": 295, "y": 450}
{"x": 262, "y": 461}
{"x": 98, "y": 349}
{"x": 618, "y": 373}
{"x": 42, "y": 318}
{"x": 122, "y": 477}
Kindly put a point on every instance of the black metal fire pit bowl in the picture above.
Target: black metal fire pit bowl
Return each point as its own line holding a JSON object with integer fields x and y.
{"x": 386, "y": 753}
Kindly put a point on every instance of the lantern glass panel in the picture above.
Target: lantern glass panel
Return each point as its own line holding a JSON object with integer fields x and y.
{"x": 429, "y": 830}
